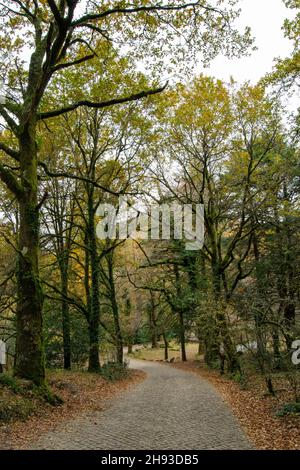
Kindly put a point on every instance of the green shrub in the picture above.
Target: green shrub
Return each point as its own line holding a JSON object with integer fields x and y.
{"x": 10, "y": 382}
{"x": 44, "y": 393}
{"x": 114, "y": 371}
{"x": 239, "y": 378}
{"x": 15, "y": 409}
{"x": 289, "y": 408}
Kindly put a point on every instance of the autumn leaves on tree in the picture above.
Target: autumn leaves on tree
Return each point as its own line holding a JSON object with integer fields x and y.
{"x": 87, "y": 117}
{"x": 58, "y": 36}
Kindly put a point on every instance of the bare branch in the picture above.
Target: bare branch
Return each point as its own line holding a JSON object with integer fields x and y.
{"x": 140, "y": 9}
{"x": 55, "y": 12}
{"x": 10, "y": 152}
{"x": 11, "y": 181}
{"x": 10, "y": 121}
{"x": 101, "y": 104}
{"x": 75, "y": 62}
{"x": 62, "y": 174}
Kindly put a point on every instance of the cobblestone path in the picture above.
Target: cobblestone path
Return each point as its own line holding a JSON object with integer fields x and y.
{"x": 170, "y": 410}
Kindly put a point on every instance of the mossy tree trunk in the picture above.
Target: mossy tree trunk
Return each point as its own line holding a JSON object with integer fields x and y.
{"x": 29, "y": 343}
{"x": 53, "y": 29}
{"x": 225, "y": 340}
{"x": 115, "y": 309}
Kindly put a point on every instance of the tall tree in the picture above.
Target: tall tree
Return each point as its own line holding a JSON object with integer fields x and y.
{"x": 60, "y": 35}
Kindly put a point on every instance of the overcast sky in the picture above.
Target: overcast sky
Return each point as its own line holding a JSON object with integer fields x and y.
{"x": 265, "y": 17}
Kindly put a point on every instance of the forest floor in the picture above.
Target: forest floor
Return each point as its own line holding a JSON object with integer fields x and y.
{"x": 87, "y": 394}
{"x": 81, "y": 392}
{"x": 256, "y": 410}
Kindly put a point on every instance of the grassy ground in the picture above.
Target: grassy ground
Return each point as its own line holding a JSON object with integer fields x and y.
{"x": 148, "y": 354}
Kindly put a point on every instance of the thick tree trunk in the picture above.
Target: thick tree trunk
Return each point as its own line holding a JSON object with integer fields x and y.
{"x": 119, "y": 339}
{"x": 230, "y": 354}
{"x": 154, "y": 343}
{"x": 29, "y": 342}
{"x": 222, "y": 325}
{"x": 94, "y": 363}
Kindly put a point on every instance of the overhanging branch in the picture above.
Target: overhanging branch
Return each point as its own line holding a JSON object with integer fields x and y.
{"x": 10, "y": 152}
{"x": 9, "y": 120}
{"x": 64, "y": 174}
{"x": 11, "y": 181}
{"x": 74, "y": 62}
{"x": 102, "y": 104}
{"x": 140, "y": 9}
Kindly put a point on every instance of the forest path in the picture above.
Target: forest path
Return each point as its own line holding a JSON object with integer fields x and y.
{"x": 171, "y": 409}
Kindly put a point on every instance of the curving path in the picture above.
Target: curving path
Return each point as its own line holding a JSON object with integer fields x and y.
{"x": 170, "y": 410}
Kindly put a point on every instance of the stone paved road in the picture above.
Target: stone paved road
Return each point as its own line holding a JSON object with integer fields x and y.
{"x": 170, "y": 410}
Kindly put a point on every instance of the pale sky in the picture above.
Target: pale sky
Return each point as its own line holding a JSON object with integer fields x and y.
{"x": 265, "y": 17}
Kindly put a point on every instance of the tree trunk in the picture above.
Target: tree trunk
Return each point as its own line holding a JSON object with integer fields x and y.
{"x": 94, "y": 362}
{"x": 182, "y": 336}
{"x": 269, "y": 385}
{"x": 222, "y": 324}
{"x": 152, "y": 321}
{"x": 115, "y": 309}
{"x": 180, "y": 315}
{"x": 29, "y": 341}
{"x": 230, "y": 354}
{"x": 289, "y": 323}
{"x": 65, "y": 316}
{"x": 276, "y": 348}
{"x": 166, "y": 344}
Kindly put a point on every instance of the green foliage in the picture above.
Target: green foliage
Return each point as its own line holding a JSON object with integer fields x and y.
{"x": 289, "y": 408}
{"x": 231, "y": 153}
{"x": 54, "y": 340}
{"x": 113, "y": 371}
{"x": 46, "y": 394}
{"x": 287, "y": 71}
{"x": 18, "y": 408}
{"x": 143, "y": 335}
{"x": 20, "y": 398}
{"x": 10, "y": 382}
{"x": 240, "y": 378}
